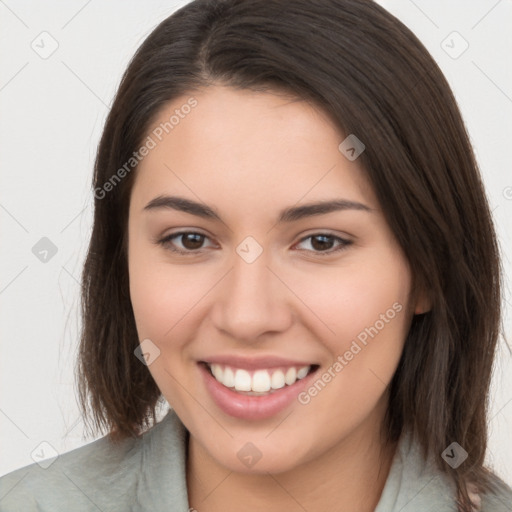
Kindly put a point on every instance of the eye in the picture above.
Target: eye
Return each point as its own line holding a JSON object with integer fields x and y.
{"x": 325, "y": 243}
{"x": 190, "y": 241}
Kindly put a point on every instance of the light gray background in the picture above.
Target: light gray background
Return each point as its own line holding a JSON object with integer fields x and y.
{"x": 52, "y": 113}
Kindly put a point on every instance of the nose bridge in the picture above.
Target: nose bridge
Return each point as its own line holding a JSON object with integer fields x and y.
{"x": 251, "y": 301}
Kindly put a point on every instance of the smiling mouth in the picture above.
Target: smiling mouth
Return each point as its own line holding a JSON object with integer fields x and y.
{"x": 261, "y": 382}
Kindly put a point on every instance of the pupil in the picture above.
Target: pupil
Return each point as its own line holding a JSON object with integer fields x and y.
{"x": 192, "y": 240}
{"x": 321, "y": 242}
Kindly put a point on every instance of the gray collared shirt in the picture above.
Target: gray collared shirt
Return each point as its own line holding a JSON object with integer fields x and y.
{"x": 148, "y": 474}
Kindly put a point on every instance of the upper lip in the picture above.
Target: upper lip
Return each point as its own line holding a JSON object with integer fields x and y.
{"x": 255, "y": 363}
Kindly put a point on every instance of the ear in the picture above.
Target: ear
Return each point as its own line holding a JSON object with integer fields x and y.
{"x": 423, "y": 303}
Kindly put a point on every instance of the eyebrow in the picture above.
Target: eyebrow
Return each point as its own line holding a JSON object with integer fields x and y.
{"x": 290, "y": 214}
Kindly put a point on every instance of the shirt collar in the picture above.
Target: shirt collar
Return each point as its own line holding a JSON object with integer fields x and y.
{"x": 413, "y": 484}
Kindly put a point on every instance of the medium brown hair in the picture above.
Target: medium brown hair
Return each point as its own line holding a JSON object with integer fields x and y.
{"x": 375, "y": 79}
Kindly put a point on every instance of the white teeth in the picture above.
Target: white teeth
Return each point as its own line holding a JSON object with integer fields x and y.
{"x": 303, "y": 372}
{"x": 242, "y": 380}
{"x": 291, "y": 376}
{"x": 261, "y": 381}
{"x": 277, "y": 381}
{"x": 229, "y": 378}
{"x": 217, "y": 372}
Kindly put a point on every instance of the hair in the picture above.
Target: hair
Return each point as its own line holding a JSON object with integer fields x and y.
{"x": 375, "y": 79}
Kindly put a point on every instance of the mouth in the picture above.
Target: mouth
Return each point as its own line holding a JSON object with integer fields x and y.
{"x": 255, "y": 391}
{"x": 258, "y": 382}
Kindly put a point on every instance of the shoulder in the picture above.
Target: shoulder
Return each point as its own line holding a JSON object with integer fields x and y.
{"x": 100, "y": 475}
{"x": 499, "y": 499}
{"x": 416, "y": 483}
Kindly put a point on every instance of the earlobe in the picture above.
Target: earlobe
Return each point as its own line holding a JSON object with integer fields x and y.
{"x": 423, "y": 304}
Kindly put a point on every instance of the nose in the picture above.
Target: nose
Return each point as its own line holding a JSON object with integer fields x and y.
{"x": 252, "y": 301}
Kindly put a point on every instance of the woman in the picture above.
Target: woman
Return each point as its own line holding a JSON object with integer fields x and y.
{"x": 292, "y": 246}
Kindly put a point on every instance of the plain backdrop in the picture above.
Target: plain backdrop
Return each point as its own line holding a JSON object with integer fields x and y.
{"x": 60, "y": 65}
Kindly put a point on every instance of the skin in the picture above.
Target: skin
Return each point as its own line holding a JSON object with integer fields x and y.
{"x": 249, "y": 155}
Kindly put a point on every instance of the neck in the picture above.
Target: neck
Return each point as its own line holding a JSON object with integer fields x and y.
{"x": 349, "y": 476}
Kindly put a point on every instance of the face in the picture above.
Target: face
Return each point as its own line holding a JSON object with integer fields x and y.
{"x": 272, "y": 326}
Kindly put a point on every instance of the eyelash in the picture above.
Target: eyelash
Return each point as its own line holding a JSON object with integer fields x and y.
{"x": 166, "y": 242}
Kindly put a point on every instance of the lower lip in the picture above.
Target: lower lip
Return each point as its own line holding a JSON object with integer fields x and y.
{"x": 252, "y": 407}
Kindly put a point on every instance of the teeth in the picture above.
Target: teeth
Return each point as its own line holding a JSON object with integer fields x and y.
{"x": 217, "y": 372}
{"x": 277, "y": 381}
{"x": 242, "y": 380}
{"x": 291, "y": 376}
{"x": 302, "y": 372}
{"x": 261, "y": 381}
{"x": 229, "y": 378}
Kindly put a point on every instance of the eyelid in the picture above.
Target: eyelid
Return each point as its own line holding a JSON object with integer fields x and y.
{"x": 166, "y": 240}
{"x": 343, "y": 242}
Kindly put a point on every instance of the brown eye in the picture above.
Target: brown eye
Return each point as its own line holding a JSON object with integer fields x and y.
{"x": 192, "y": 240}
{"x": 324, "y": 243}
{"x": 185, "y": 242}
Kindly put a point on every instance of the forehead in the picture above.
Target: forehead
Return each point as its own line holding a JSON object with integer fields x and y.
{"x": 259, "y": 148}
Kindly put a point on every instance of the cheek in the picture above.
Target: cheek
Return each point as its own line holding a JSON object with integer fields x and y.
{"x": 366, "y": 305}
{"x": 162, "y": 299}
{"x": 359, "y": 297}
{"x": 161, "y": 294}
